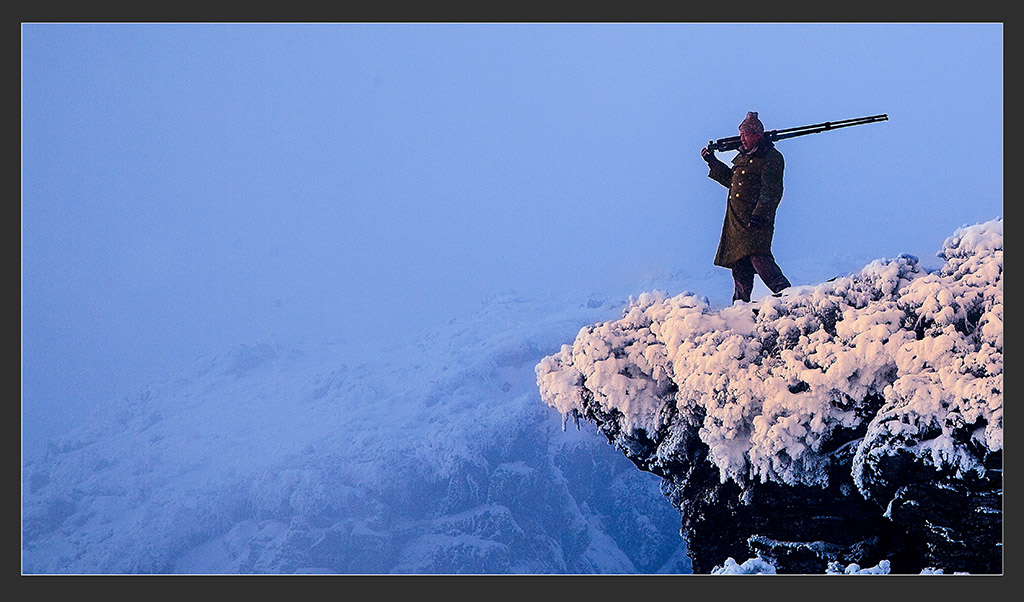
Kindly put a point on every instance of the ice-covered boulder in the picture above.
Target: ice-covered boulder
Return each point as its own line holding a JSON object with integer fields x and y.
{"x": 855, "y": 421}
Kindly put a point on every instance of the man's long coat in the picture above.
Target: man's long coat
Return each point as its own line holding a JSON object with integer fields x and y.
{"x": 755, "y": 188}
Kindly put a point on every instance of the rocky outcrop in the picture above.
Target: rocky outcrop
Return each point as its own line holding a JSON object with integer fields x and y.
{"x": 857, "y": 421}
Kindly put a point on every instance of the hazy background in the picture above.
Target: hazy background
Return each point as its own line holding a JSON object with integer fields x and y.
{"x": 187, "y": 187}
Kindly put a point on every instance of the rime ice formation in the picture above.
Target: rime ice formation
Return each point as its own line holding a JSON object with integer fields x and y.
{"x": 852, "y": 422}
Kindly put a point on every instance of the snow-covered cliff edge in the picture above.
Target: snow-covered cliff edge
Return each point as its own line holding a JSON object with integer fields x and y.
{"x": 855, "y": 421}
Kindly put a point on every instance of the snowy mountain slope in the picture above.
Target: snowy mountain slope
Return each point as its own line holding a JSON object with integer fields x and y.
{"x": 431, "y": 456}
{"x": 872, "y": 402}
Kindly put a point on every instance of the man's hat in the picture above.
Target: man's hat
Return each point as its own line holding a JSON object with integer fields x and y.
{"x": 752, "y": 123}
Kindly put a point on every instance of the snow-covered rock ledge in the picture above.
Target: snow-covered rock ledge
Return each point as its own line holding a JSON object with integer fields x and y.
{"x": 855, "y": 421}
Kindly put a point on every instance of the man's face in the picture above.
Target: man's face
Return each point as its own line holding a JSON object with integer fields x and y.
{"x": 749, "y": 139}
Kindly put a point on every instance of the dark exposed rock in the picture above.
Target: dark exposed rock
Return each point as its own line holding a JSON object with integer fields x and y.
{"x": 937, "y": 521}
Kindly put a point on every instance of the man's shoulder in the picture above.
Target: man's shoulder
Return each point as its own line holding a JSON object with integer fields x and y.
{"x": 770, "y": 150}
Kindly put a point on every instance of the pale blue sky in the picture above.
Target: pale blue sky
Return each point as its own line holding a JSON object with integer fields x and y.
{"x": 189, "y": 187}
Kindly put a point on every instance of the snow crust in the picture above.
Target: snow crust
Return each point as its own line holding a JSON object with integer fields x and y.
{"x": 916, "y": 355}
{"x": 753, "y": 566}
{"x": 882, "y": 568}
{"x": 760, "y": 566}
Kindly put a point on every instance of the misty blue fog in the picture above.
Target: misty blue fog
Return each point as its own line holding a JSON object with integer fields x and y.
{"x": 190, "y": 187}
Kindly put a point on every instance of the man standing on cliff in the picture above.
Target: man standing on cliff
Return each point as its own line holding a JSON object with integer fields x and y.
{"x": 755, "y": 190}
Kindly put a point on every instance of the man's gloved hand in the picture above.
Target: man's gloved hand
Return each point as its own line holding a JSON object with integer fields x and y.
{"x": 756, "y": 221}
{"x": 708, "y": 155}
